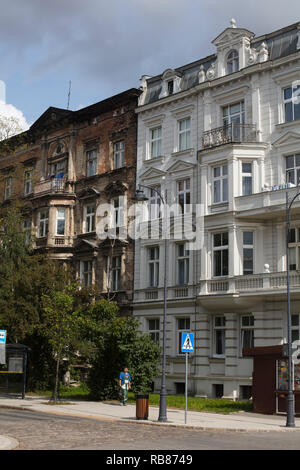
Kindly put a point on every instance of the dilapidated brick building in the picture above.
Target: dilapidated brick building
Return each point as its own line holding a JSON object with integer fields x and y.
{"x": 74, "y": 172}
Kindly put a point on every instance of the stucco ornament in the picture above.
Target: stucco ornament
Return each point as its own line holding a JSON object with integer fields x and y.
{"x": 201, "y": 74}
{"x": 211, "y": 73}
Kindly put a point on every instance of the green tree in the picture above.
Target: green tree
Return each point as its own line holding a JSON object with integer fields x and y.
{"x": 118, "y": 343}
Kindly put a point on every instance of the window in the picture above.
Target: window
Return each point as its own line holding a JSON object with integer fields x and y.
{"x": 27, "y": 230}
{"x": 28, "y": 182}
{"x": 295, "y": 327}
{"x": 220, "y": 184}
{"x": 60, "y": 221}
{"x": 153, "y": 329}
{"x": 183, "y": 264}
{"x": 90, "y": 218}
{"x": 247, "y": 252}
{"x": 8, "y": 187}
{"x": 154, "y": 203}
{"x": 119, "y": 151}
{"x": 220, "y": 254}
{"x": 247, "y": 332}
{"x": 115, "y": 273}
{"x": 294, "y": 249}
{"x": 234, "y": 113}
{"x": 170, "y": 87}
{"x": 291, "y": 103}
{"x": 91, "y": 162}
{"x": 219, "y": 336}
{"x": 184, "y": 131}
{"x": 233, "y": 117}
{"x": 59, "y": 169}
{"x": 155, "y": 142}
{"x": 246, "y": 179}
{"x": 218, "y": 390}
{"x": 43, "y": 223}
{"x": 233, "y": 62}
{"x": 117, "y": 216}
{"x": 184, "y": 195}
{"x": 86, "y": 272}
{"x": 292, "y": 169}
{"x": 183, "y": 325}
{"x": 153, "y": 261}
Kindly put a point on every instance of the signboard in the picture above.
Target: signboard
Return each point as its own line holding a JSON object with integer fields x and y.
{"x": 187, "y": 344}
{"x": 2, "y": 336}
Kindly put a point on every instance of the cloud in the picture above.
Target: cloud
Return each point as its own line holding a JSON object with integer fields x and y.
{"x": 105, "y": 46}
{"x": 9, "y": 110}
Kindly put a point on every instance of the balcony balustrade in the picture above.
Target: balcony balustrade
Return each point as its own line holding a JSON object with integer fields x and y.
{"x": 54, "y": 185}
{"x": 233, "y": 132}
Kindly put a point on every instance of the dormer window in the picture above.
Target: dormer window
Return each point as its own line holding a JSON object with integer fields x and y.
{"x": 233, "y": 62}
{"x": 171, "y": 87}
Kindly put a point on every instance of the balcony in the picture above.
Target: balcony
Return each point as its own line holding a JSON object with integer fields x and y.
{"x": 255, "y": 283}
{"x": 52, "y": 186}
{"x": 234, "y": 132}
{"x": 266, "y": 204}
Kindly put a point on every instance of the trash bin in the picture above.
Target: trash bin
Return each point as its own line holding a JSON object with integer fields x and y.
{"x": 142, "y": 406}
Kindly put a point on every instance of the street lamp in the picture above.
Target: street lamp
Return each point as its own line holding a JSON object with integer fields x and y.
{"x": 141, "y": 197}
{"x": 290, "y": 418}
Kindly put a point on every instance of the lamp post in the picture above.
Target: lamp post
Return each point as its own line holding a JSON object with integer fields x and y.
{"x": 290, "y": 418}
{"x": 140, "y": 197}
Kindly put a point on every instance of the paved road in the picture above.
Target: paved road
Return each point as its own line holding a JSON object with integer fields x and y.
{"x": 41, "y": 431}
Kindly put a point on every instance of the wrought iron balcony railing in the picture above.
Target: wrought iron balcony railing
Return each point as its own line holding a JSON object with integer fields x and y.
{"x": 233, "y": 132}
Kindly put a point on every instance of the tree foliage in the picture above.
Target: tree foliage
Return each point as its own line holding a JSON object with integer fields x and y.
{"x": 118, "y": 344}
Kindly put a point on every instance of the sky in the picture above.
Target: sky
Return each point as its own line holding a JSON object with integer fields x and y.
{"x": 104, "y": 47}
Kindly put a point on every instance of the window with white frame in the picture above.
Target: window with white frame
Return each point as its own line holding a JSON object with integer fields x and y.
{"x": 247, "y": 182}
{"x": 247, "y": 331}
{"x": 155, "y": 142}
{"x": 170, "y": 87}
{"x": 233, "y": 62}
{"x": 220, "y": 254}
{"x": 115, "y": 273}
{"x": 248, "y": 250}
{"x": 292, "y": 169}
{"x": 154, "y": 202}
{"x": 295, "y": 327}
{"x": 59, "y": 169}
{"x": 184, "y": 134}
{"x": 220, "y": 184}
{"x": 27, "y": 230}
{"x": 291, "y": 100}
{"x": 60, "y": 221}
{"x": 91, "y": 160}
{"x": 86, "y": 272}
{"x": 90, "y": 215}
{"x": 43, "y": 223}
{"x": 184, "y": 195}
{"x": 117, "y": 211}
{"x": 154, "y": 329}
{"x": 183, "y": 264}
{"x": 153, "y": 263}
{"x": 8, "y": 187}
{"x": 294, "y": 248}
{"x": 234, "y": 114}
{"x": 119, "y": 152}
{"x": 28, "y": 187}
{"x": 219, "y": 331}
{"x": 183, "y": 325}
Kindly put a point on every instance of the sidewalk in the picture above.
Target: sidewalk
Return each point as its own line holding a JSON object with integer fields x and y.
{"x": 238, "y": 422}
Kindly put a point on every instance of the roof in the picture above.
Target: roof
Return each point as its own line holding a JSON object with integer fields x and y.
{"x": 280, "y": 43}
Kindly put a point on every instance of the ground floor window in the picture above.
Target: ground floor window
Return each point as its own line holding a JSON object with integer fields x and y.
{"x": 218, "y": 390}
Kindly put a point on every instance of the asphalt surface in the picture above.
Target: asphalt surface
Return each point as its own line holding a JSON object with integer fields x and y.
{"x": 42, "y": 431}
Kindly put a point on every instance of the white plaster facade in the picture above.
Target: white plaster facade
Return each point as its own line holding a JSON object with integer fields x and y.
{"x": 222, "y": 297}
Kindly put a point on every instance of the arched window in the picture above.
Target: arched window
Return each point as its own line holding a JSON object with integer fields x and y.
{"x": 233, "y": 62}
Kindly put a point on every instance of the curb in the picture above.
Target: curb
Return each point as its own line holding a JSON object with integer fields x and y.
{"x": 150, "y": 423}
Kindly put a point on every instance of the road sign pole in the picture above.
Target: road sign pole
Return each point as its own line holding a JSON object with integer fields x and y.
{"x": 186, "y": 386}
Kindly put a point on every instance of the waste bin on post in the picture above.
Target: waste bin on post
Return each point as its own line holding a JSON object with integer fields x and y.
{"x": 142, "y": 406}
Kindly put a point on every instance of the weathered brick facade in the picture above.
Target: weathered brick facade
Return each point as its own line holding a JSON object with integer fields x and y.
{"x": 64, "y": 169}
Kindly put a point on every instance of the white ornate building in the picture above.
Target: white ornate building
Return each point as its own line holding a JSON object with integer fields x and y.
{"x": 223, "y": 133}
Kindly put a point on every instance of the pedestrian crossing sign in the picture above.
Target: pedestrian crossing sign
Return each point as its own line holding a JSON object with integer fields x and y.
{"x": 187, "y": 343}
